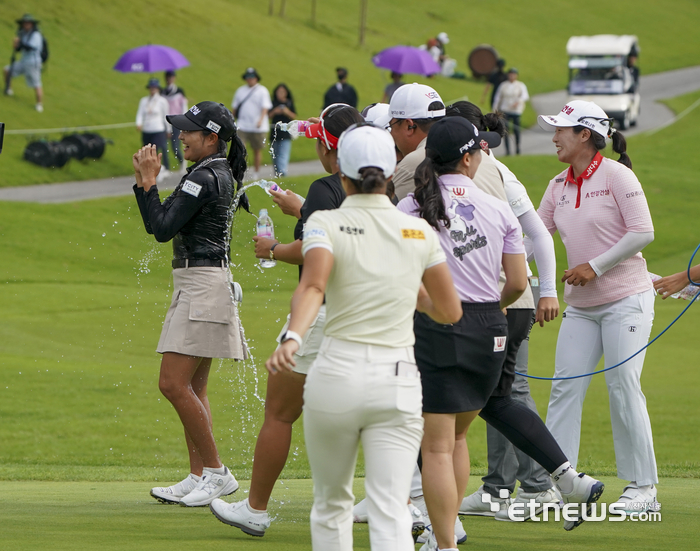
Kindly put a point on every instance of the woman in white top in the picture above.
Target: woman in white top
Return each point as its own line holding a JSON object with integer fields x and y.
{"x": 150, "y": 121}
{"x": 599, "y": 208}
{"x": 364, "y": 385}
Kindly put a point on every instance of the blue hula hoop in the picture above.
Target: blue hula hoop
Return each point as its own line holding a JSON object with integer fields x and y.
{"x": 690, "y": 263}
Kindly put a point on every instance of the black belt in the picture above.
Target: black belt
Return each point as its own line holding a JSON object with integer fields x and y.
{"x": 198, "y": 263}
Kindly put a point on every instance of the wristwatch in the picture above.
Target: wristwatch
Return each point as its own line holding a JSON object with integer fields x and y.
{"x": 272, "y": 252}
{"x": 291, "y": 336}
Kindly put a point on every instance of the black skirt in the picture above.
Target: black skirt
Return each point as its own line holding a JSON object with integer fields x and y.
{"x": 460, "y": 364}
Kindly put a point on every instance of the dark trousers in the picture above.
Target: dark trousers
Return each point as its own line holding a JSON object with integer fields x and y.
{"x": 160, "y": 140}
{"x": 513, "y": 124}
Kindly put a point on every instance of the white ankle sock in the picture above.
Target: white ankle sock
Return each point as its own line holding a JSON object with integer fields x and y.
{"x": 564, "y": 476}
{"x": 196, "y": 477}
{"x": 219, "y": 470}
{"x": 253, "y": 510}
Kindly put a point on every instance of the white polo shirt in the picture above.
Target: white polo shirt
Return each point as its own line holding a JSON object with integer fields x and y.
{"x": 258, "y": 98}
{"x": 379, "y": 255}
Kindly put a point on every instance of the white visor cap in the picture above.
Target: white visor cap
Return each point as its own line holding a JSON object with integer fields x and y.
{"x": 366, "y": 146}
{"x": 379, "y": 115}
{"x": 411, "y": 101}
{"x": 578, "y": 113}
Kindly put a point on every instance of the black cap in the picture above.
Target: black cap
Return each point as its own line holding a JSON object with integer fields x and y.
{"x": 170, "y": 74}
{"x": 206, "y": 115}
{"x": 342, "y": 72}
{"x": 450, "y": 138}
{"x": 250, "y": 72}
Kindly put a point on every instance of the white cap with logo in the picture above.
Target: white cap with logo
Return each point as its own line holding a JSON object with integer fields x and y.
{"x": 378, "y": 115}
{"x": 578, "y": 113}
{"x": 411, "y": 101}
{"x": 363, "y": 146}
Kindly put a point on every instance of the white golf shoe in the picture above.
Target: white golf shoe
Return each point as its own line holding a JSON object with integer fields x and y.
{"x": 359, "y": 512}
{"x": 480, "y": 504}
{"x": 211, "y": 486}
{"x": 638, "y": 500}
{"x": 525, "y": 511}
{"x": 585, "y": 490}
{"x": 239, "y": 515}
{"x": 173, "y": 494}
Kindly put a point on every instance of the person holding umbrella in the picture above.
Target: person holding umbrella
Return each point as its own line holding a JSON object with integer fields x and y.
{"x": 202, "y": 322}
{"x": 150, "y": 121}
{"x": 30, "y": 42}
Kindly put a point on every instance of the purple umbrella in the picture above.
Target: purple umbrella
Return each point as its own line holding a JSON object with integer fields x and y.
{"x": 150, "y": 59}
{"x": 406, "y": 59}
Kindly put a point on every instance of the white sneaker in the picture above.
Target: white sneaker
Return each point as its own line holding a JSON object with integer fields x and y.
{"x": 359, "y": 511}
{"x": 39, "y": 107}
{"x": 431, "y": 545}
{"x": 10, "y": 92}
{"x": 637, "y": 500}
{"x": 460, "y": 533}
{"x": 239, "y": 515}
{"x": 174, "y": 493}
{"x": 209, "y": 488}
{"x": 523, "y": 513}
{"x": 585, "y": 490}
{"x": 479, "y": 503}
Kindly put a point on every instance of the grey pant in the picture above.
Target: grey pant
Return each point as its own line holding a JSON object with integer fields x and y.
{"x": 506, "y": 462}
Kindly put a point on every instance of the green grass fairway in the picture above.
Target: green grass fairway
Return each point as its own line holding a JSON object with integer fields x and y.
{"x": 221, "y": 38}
{"x": 84, "y": 431}
{"x": 110, "y": 515}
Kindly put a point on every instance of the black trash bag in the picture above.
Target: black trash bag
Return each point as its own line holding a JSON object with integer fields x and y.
{"x": 48, "y": 154}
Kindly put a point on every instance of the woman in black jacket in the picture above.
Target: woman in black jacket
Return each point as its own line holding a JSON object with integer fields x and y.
{"x": 202, "y": 322}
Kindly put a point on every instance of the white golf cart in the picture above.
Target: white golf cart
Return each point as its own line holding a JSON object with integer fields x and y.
{"x": 598, "y": 72}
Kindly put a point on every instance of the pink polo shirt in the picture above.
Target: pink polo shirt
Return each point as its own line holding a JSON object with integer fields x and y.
{"x": 592, "y": 213}
{"x": 482, "y": 228}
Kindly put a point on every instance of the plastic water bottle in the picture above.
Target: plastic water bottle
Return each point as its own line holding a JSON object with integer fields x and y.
{"x": 267, "y": 186}
{"x": 264, "y": 228}
{"x": 687, "y": 293}
{"x": 295, "y": 128}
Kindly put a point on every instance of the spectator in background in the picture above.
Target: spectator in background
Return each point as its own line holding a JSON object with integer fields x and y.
{"x": 150, "y": 121}
{"x": 510, "y": 100}
{"x": 634, "y": 70}
{"x": 493, "y": 81}
{"x": 30, "y": 42}
{"x": 395, "y": 84}
{"x": 251, "y": 104}
{"x": 341, "y": 91}
{"x": 282, "y": 111}
{"x": 178, "y": 106}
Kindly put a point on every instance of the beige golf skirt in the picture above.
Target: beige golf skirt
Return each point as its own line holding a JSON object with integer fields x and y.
{"x": 202, "y": 320}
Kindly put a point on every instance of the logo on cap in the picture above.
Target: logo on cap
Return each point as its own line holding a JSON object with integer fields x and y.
{"x": 211, "y": 125}
{"x": 432, "y": 95}
{"x": 483, "y": 145}
{"x": 195, "y": 110}
{"x": 467, "y": 146}
{"x": 568, "y": 110}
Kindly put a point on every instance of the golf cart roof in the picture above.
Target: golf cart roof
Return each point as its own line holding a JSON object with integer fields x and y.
{"x": 602, "y": 44}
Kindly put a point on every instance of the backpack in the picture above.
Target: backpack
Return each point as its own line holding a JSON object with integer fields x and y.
{"x": 44, "y": 49}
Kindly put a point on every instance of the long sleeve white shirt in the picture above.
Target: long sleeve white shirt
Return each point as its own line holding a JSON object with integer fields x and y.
{"x": 151, "y": 114}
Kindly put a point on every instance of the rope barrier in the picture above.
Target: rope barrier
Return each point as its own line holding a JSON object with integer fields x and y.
{"x": 690, "y": 263}
{"x": 70, "y": 129}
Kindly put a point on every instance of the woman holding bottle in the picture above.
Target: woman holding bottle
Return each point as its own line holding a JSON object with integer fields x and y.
{"x": 284, "y": 397}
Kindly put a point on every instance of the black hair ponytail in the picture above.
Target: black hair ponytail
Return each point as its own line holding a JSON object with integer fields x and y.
{"x": 371, "y": 179}
{"x": 431, "y": 207}
{"x": 236, "y": 160}
{"x": 491, "y": 122}
{"x": 619, "y": 145}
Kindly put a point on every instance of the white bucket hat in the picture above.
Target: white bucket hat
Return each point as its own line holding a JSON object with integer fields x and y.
{"x": 411, "y": 101}
{"x": 579, "y": 113}
{"x": 363, "y": 146}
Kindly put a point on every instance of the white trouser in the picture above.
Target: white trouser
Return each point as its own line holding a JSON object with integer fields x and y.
{"x": 352, "y": 394}
{"x": 616, "y": 330}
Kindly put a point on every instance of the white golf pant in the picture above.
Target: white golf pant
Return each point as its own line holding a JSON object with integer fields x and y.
{"x": 615, "y": 330}
{"x": 353, "y": 394}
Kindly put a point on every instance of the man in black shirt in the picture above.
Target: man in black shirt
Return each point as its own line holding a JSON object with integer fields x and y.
{"x": 341, "y": 91}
